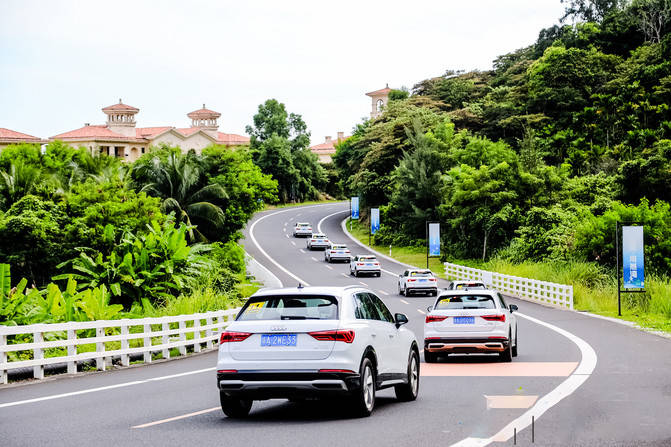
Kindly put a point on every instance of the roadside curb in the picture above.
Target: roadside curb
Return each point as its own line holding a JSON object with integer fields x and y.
{"x": 262, "y": 273}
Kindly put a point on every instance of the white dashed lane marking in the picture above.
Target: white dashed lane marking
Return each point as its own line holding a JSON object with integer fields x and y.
{"x": 302, "y": 251}
{"x": 361, "y": 282}
{"x": 404, "y": 301}
{"x": 421, "y": 311}
{"x": 383, "y": 292}
{"x": 346, "y": 276}
{"x": 293, "y": 242}
{"x": 313, "y": 258}
{"x": 328, "y": 267}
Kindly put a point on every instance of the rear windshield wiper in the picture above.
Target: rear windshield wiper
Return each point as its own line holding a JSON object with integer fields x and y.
{"x": 298, "y": 317}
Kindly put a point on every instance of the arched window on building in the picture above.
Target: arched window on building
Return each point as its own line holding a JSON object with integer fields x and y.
{"x": 379, "y": 105}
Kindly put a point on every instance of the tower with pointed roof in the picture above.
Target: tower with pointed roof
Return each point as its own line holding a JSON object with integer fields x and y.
{"x": 205, "y": 119}
{"x": 121, "y": 118}
{"x": 379, "y": 99}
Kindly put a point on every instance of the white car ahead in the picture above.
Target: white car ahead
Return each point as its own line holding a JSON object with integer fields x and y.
{"x": 302, "y": 229}
{"x": 417, "y": 281}
{"x": 364, "y": 264}
{"x": 337, "y": 252}
{"x": 462, "y": 285}
{"x": 470, "y": 321}
{"x": 318, "y": 240}
{"x": 303, "y": 342}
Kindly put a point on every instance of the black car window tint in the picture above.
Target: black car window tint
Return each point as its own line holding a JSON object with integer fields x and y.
{"x": 382, "y": 309}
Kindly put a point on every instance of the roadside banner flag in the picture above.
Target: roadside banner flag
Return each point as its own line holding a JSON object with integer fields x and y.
{"x": 374, "y": 220}
{"x": 434, "y": 239}
{"x": 355, "y": 207}
{"x": 632, "y": 257}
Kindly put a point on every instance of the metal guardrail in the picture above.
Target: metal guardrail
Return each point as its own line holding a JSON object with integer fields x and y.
{"x": 44, "y": 342}
{"x": 558, "y": 295}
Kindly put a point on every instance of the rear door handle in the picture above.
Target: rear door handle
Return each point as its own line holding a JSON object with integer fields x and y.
{"x": 373, "y": 335}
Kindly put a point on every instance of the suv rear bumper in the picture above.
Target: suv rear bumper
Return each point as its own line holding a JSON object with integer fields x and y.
{"x": 421, "y": 288}
{"x": 466, "y": 345}
{"x": 286, "y": 384}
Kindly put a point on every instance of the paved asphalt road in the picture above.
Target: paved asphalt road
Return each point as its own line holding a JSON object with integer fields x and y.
{"x": 625, "y": 400}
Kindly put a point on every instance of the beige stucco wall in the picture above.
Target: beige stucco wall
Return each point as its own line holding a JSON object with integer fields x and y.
{"x": 196, "y": 141}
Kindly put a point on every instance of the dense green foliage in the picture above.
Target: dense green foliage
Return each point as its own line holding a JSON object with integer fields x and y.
{"x": 123, "y": 237}
{"x": 536, "y": 159}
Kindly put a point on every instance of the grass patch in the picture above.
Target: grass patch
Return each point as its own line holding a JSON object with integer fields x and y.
{"x": 288, "y": 205}
{"x": 594, "y": 287}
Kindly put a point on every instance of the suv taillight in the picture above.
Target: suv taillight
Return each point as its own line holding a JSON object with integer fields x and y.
{"x": 346, "y": 335}
{"x": 434, "y": 318}
{"x": 501, "y": 318}
{"x": 230, "y": 337}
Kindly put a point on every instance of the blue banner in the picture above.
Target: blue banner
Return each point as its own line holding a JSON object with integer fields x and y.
{"x": 374, "y": 220}
{"x": 632, "y": 257}
{"x": 355, "y": 207}
{"x": 434, "y": 239}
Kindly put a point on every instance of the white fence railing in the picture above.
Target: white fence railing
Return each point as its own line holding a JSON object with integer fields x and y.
{"x": 559, "y": 295}
{"x": 38, "y": 345}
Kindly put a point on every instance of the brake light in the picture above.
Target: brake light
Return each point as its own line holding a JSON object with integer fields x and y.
{"x": 231, "y": 337}
{"x": 501, "y": 318}
{"x": 498, "y": 338}
{"x": 434, "y": 318}
{"x": 377, "y": 263}
{"x": 412, "y": 280}
{"x": 346, "y": 335}
{"x": 359, "y": 263}
{"x": 432, "y": 279}
{"x": 347, "y": 371}
{"x": 332, "y": 251}
{"x": 347, "y": 251}
{"x": 312, "y": 240}
{"x": 227, "y": 371}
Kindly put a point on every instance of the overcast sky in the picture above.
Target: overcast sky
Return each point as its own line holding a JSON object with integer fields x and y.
{"x": 62, "y": 61}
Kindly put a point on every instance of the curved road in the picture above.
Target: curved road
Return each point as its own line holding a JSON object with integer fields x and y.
{"x": 587, "y": 381}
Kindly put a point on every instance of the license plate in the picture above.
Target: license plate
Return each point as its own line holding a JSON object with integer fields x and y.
{"x": 464, "y": 320}
{"x": 368, "y": 264}
{"x": 422, "y": 280}
{"x": 278, "y": 339}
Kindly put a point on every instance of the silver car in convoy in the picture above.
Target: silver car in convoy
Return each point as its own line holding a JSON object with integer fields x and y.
{"x": 306, "y": 342}
{"x": 417, "y": 281}
{"x": 364, "y": 264}
{"x": 302, "y": 229}
{"x": 337, "y": 252}
{"x": 470, "y": 321}
{"x": 318, "y": 241}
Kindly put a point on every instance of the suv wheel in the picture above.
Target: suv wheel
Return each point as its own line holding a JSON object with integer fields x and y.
{"x": 515, "y": 347}
{"x": 507, "y": 355}
{"x": 408, "y": 391}
{"x": 363, "y": 399}
{"x": 234, "y": 408}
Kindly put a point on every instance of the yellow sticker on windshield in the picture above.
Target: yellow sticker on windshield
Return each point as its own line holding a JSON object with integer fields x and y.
{"x": 255, "y": 307}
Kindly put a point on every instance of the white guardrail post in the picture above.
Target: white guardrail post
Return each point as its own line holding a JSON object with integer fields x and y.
{"x": 549, "y": 293}
{"x": 129, "y": 339}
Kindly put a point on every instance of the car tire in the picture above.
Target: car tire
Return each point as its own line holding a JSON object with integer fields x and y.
{"x": 514, "y": 351}
{"x": 379, "y": 274}
{"x": 235, "y": 407}
{"x": 507, "y": 355}
{"x": 363, "y": 399}
{"x": 356, "y": 273}
{"x": 400, "y": 292}
{"x": 407, "y": 392}
{"x": 430, "y": 357}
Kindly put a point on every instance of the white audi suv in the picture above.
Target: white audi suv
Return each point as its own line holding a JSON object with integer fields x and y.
{"x": 301, "y": 342}
{"x": 470, "y": 321}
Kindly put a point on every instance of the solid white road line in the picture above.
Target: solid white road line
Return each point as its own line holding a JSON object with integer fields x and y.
{"x": 421, "y": 311}
{"x": 176, "y": 418}
{"x": 277, "y": 264}
{"x": 566, "y": 388}
{"x": 404, "y": 301}
{"x": 104, "y": 388}
{"x": 319, "y": 225}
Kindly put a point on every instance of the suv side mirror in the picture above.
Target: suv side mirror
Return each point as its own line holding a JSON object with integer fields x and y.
{"x": 401, "y": 319}
{"x": 513, "y": 307}
{"x": 429, "y": 309}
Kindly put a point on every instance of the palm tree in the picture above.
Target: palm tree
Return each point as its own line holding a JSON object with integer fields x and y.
{"x": 181, "y": 183}
{"x": 21, "y": 179}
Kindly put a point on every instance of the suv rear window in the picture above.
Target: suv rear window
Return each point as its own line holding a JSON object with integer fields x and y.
{"x": 470, "y": 285}
{"x": 422, "y": 274}
{"x": 465, "y": 302}
{"x": 290, "y": 307}
{"x": 367, "y": 258}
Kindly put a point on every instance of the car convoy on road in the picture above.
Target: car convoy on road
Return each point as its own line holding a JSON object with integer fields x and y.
{"x": 343, "y": 342}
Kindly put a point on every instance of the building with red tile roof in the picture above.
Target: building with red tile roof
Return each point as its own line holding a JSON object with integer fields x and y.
{"x": 8, "y": 136}
{"x": 121, "y": 138}
{"x": 326, "y": 149}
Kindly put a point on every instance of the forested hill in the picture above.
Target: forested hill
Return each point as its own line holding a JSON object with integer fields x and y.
{"x": 537, "y": 158}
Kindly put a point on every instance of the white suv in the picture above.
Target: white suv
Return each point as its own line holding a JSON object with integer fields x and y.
{"x": 302, "y": 342}
{"x": 417, "y": 281}
{"x": 361, "y": 264}
{"x": 302, "y": 229}
{"x": 317, "y": 240}
{"x": 337, "y": 252}
{"x": 470, "y": 321}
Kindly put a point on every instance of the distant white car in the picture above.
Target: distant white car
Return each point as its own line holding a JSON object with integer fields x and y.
{"x": 306, "y": 342}
{"x": 417, "y": 281}
{"x": 471, "y": 285}
{"x": 365, "y": 264}
{"x": 302, "y": 229}
{"x": 337, "y": 252}
{"x": 318, "y": 241}
{"x": 470, "y": 321}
